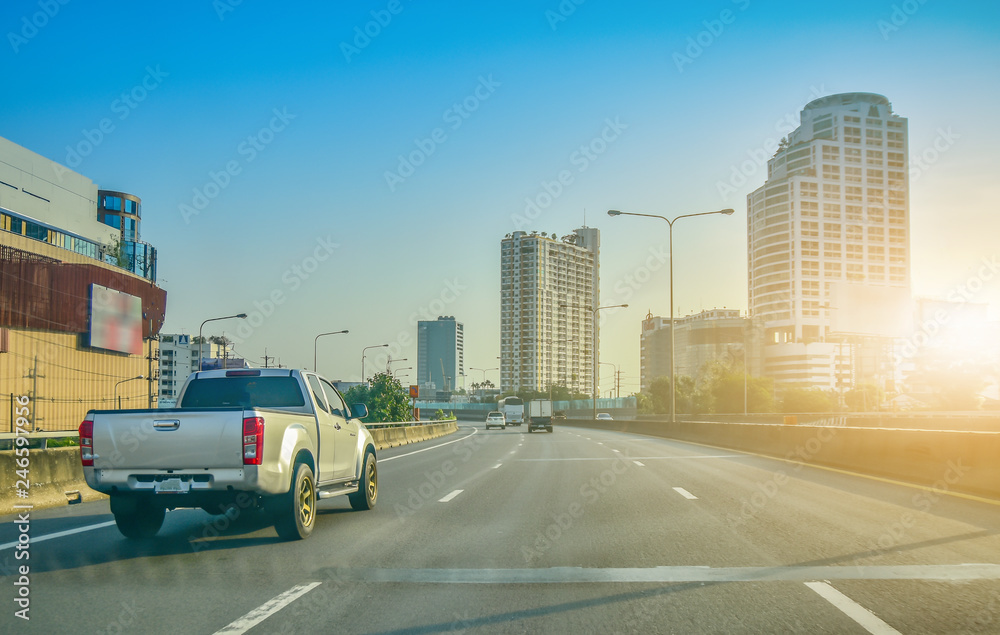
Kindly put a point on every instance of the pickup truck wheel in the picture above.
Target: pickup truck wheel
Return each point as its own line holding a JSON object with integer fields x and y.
{"x": 367, "y": 493}
{"x": 297, "y": 508}
{"x": 137, "y": 518}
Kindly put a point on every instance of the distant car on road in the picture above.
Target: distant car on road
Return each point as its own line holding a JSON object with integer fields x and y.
{"x": 559, "y": 415}
{"x": 603, "y": 416}
{"x": 496, "y": 419}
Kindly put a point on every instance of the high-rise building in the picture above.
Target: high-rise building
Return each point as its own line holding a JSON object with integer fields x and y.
{"x": 179, "y": 358}
{"x": 828, "y": 243}
{"x": 549, "y": 288}
{"x": 440, "y": 353}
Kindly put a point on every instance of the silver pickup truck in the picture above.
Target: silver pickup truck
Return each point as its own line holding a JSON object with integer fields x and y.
{"x": 273, "y": 440}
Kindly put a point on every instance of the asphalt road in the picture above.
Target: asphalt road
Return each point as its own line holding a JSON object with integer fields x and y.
{"x": 579, "y": 531}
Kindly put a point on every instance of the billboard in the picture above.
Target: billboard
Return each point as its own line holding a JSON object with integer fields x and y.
{"x": 860, "y": 309}
{"x": 115, "y": 320}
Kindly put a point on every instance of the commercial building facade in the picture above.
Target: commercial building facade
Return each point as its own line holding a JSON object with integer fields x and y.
{"x": 828, "y": 244}
{"x": 549, "y": 288}
{"x": 714, "y": 335}
{"x": 78, "y": 315}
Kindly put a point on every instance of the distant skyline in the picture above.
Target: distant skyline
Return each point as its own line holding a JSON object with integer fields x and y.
{"x": 354, "y": 165}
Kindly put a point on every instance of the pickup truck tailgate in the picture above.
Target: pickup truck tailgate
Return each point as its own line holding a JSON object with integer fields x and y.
{"x": 169, "y": 439}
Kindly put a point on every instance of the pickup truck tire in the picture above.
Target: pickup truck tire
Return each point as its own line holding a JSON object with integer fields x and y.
{"x": 296, "y": 510}
{"x": 367, "y": 493}
{"x": 136, "y": 516}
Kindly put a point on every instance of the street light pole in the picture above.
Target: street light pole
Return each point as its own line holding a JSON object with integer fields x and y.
{"x": 670, "y": 224}
{"x": 241, "y": 316}
{"x": 117, "y": 398}
{"x": 596, "y": 352}
{"x": 316, "y": 342}
{"x": 363, "y": 358}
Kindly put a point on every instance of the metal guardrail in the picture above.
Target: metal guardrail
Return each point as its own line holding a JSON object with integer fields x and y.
{"x": 36, "y": 440}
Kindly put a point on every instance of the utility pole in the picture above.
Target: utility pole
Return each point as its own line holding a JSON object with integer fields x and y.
{"x": 266, "y": 358}
{"x": 151, "y": 357}
{"x": 33, "y": 375}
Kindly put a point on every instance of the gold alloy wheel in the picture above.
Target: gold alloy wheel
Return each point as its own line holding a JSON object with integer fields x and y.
{"x": 372, "y": 481}
{"x": 307, "y": 502}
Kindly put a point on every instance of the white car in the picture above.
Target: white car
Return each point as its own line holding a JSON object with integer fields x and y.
{"x": 496, "y": 420}
{"x": 603, "y": 416}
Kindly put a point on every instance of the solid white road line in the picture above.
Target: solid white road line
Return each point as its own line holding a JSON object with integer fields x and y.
{"x": 451, "y": 496}
{"x": 852, "y": 609}
{"x": 439, "y": 445}
{"x": 59, "y": 534}
{"x": 686, "y": 494}
{"x": 266, "y": 610}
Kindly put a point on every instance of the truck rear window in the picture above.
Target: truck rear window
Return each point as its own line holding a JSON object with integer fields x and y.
{"x": 247, "y": 392}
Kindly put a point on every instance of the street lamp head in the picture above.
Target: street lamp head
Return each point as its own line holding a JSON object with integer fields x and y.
{"x": 242, "y": 316}
{"x": 728, "y": 212}
{"x": 614, "y": 212}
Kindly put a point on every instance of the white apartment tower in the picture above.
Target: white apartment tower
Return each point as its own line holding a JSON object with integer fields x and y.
{"x": 548, "y": 290}
{"x": 828, "y": 242}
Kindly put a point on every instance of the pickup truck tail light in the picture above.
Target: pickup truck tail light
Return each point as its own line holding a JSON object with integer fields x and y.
{"x": 253, "y": 440}
{"x": 87, "y": 442}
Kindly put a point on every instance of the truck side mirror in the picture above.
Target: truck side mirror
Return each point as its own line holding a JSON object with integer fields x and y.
{"x": 359, "y": 410}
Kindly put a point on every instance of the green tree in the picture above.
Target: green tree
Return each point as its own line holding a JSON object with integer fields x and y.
{"x": 659, "y": 394}
{"x": 728, "y": 391}
{"x": 385, "y": 398}
{"x": 864, "y": 398}
{"x": 643, "y": 403}
{"x": 807, "y": 400}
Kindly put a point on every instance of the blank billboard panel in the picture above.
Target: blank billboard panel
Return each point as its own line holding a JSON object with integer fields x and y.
{"x": 115, "y": 320}
{"x": 859, "y": 309}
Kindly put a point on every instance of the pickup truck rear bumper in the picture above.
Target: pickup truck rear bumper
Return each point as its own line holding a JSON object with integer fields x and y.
{"x": 180, "y": 482}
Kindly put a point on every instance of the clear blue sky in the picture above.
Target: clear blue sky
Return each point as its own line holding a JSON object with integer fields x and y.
{"x": 309, "y": 187}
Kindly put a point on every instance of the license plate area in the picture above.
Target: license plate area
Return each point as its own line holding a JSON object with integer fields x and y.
{"x": 172, "y": 486}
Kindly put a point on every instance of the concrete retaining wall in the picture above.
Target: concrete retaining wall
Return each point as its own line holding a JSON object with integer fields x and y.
{"x": 964, "y": 462}
{"x": 53, "y": 476}
{"x": 403, "y": 435}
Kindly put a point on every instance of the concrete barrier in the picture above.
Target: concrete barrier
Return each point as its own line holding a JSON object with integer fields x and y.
{"x": 55, "y": 477}
{"x": 403, "y": 435}
{"x": 964, "y": 462}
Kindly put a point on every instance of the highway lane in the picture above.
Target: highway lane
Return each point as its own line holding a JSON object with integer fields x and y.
{"x": 580, "y": 530}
